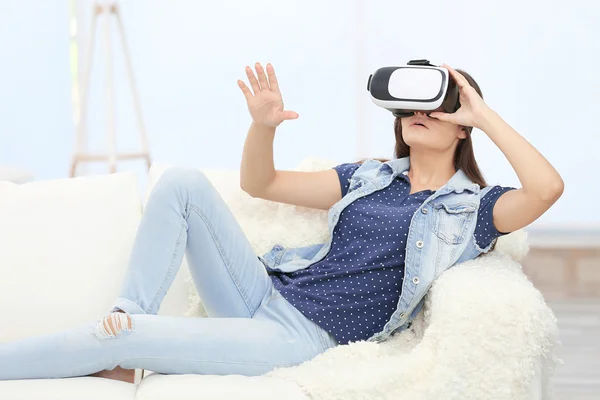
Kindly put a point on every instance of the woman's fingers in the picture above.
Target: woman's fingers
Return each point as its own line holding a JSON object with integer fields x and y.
{"x": 272, "y": 78}
{"x": 262, "y": 83}
{"x": 285, "y": 115}
{"x": 245, "y": 90}
{"x": 262, "y": 78}
{"x": 252, "y": 79}
{"x": 442, "y": 116}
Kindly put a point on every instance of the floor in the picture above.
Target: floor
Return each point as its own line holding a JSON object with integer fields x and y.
{"x": 570, "y": 282}
{"x": 579, "y": 324}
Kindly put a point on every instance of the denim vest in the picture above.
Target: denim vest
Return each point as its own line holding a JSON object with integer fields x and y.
{"x": 440, "y": 235}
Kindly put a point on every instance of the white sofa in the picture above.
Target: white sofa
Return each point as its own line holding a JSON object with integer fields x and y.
{"x": 70, "y": 239}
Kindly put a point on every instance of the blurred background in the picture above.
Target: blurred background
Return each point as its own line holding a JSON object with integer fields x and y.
{"x": 535, "y": 61}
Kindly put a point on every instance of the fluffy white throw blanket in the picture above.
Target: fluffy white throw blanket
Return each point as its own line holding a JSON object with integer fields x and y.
{"x": 481, "y": 334}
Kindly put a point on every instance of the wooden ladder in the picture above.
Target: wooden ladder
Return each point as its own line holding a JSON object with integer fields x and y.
{"x": 108, "y": 10}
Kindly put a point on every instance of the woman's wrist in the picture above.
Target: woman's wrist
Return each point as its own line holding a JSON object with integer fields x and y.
{"x": 487, "y": 119}
{"x": 262, "y": 128}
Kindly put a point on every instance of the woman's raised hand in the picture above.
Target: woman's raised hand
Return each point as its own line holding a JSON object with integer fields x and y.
{"x": 264, "y": 100}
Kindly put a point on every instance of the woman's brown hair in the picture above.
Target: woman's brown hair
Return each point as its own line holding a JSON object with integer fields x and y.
{"x": 464, "y": 158}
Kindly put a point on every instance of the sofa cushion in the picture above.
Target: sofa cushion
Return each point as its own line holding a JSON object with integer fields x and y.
{"x": 64, "y": 246}
{"x": 85, "y": 388}
{"x": 214, "y": 387}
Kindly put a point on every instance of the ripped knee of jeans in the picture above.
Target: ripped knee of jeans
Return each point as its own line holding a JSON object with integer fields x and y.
{"x": 113, "y": 325}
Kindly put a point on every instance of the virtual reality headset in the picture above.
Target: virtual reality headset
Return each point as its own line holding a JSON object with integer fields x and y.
{"x": 417, "y": 86}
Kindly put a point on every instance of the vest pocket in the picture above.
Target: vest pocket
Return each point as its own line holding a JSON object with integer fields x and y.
{"x": 451, "y": 222}
{"x": 354, "y": 183}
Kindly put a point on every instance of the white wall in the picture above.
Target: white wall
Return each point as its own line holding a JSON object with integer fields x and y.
{"x": 528, "y": 57}
{"x": 35, "y": 106}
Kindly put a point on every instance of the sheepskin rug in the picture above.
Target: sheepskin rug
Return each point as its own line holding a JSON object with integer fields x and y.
{"x": 485, "y": 331}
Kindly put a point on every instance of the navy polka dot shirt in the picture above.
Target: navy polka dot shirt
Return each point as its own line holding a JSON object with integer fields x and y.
{"x": 354, "y": 290}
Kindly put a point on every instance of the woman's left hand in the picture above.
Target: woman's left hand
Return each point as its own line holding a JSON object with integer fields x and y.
{"x": 472, "y": 107}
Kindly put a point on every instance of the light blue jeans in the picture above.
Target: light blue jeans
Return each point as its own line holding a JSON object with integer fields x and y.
{"x": 251, "y": 328}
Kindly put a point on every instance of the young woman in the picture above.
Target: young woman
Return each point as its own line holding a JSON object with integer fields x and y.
{"x": 396, "y": 225}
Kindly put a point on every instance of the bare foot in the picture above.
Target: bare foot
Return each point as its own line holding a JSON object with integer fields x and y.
{"x": 118, "y": 374}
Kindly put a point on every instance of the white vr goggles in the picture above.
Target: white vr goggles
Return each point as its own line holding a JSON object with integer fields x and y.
{"x": 417, "y": 86}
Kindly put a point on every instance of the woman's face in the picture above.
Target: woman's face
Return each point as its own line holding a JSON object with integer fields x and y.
{"x": 423, "y": 132}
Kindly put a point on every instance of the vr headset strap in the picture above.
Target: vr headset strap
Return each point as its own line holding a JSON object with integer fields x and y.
{"x": 421, "y": 62}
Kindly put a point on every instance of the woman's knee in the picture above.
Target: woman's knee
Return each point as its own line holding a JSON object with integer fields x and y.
{"x": 114, "y": 325}
{"x": 177, "y": 179}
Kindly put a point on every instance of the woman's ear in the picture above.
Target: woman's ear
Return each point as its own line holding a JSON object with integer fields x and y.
{"x": 463, "y": 133}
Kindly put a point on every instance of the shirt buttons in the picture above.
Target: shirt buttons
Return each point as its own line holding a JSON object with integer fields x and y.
{"x": 424, "y": 210}
{"x": 420, "y": 244}
{"x": 416, "y": 280}
{"x": 401, "y": 315}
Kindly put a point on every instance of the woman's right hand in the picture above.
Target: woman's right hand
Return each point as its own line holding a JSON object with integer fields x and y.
{"x": 264, "y": 100}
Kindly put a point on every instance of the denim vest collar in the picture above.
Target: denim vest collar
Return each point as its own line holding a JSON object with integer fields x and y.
{"x": 458, "y": 183}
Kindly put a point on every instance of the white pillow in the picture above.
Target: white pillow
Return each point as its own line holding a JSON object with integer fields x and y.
{"x": 64, "y": 248}
{"x": 265, "y": 223}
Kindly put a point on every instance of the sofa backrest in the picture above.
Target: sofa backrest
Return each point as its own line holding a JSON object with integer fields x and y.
{"x": 64, "y": 246}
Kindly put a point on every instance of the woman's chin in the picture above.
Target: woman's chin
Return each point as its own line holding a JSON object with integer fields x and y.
{"x": 416, "y": 142}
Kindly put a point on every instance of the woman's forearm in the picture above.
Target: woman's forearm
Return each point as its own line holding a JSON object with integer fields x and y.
{"x": 537, "y": 176}
{"x": 257, "y": 169}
